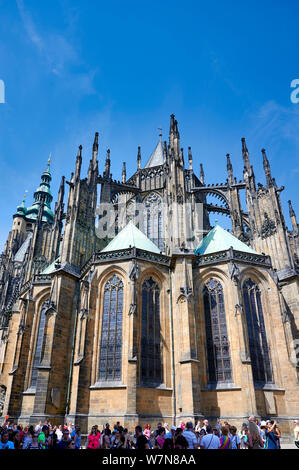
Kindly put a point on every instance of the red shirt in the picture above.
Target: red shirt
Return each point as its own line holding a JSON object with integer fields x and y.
{"x": 93, "y": 441}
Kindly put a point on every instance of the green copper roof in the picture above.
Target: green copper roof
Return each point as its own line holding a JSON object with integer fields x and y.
{"x": 131, "y": 236}
{"x": 219, "y": 239}
{"x": 51, "y": 268}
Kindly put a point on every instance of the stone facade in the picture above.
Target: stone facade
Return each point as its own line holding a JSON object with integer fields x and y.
{"x": 62, "y": 358}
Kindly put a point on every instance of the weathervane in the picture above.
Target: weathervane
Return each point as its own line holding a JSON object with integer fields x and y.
{"x": 160, "y": 135}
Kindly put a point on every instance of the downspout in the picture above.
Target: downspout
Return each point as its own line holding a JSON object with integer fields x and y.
{"x": 172, "y": 349}
{"x": 72, "y": 353}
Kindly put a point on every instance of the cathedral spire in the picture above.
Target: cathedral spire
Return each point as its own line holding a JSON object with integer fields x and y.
{"x": 190, "y": 158}
{"x": 107, "y": 165}
{"x": 245, "y": 155}
{"x": 124, "y": 173}
{"x": 229, "y": 170}
{"x": 267, "y": 168}
{"x": 248, "y": 170}
{"x": 202, "y": 175}
{"x": 78, "y": 163}
{"x": 41, "y": 208}
{"x": 174, "y": 136}
{"x": 138, "y": 158}
{"x": 293, "y": 217}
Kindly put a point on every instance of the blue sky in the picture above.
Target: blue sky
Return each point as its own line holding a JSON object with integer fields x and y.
{"x": 73, "y": 67}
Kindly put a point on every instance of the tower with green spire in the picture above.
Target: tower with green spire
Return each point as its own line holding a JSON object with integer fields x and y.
{"x": 42, "y": 199}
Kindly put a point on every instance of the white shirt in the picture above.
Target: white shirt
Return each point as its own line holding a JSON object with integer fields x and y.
{"x": 191, "y": 438}
{"x": 210, "y": 441}
{"x": 59, "y": 434}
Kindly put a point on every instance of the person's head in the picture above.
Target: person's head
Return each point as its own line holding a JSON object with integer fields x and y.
{"x": 216, "y": 431}
{"x": 189, "y": 426}
{"x": 253, "y": 429}
{"x": 93, "y": 430}
{"x": 106, "y": 441}
{"x": 251, "y": 419}
{"x": 178, "y": 432}
{"x": 168, "y": 444}
{"x": 125, "y": 431}
{"x": 45, "y": 430}
{"x": 181, "y": 442}
{"x": 233, "y": 430}
{"x": 202, "y": 432}
{"x": 117, "y": 435}
{"x": 147, "y": 426}
{"x": 117, "y": 423}
{"x": 138, "y": 430}
{"x": 209, "y": 429}
{"x": 71, "y": 444}
{"x": 295, "y": 422}
{"x": 35, "y": 436}
{"x": 172, "y": 430}
{"x": 77, "y": 429}
{"x": 159, "y": 425}
{"x": 205, "y": 422}
{"x": 263, "y": 425}
{"x": 224, "y": 430}
{"x": 165, "y": 425}
{"x": 4, "y": 437}
{"x": 65, "y": 435}
{"x": 107, "y": 425}
{"x": 161, "y": 432}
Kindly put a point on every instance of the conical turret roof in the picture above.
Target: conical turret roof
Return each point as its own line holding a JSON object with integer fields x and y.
{"x": 131, "y": 236}
{"x": 219, "y": 239}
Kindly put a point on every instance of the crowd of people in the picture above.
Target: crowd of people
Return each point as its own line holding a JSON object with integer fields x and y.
{"x": 254, "y": 434}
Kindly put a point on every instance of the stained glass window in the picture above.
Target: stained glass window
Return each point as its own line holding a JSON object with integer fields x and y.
{"x": 153, "y": 220}
{"x": 218, "y": 354}
{"x": 39, "y": 345}
{"x": 111, "y": 336}
{"x": 258, "y": 345}
{"x": 151, "y": 360}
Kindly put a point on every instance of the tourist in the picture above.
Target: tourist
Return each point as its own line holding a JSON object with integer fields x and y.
{"x": 254, "y": 438}
{"x": 28, "y": 431}
{"x": 171, "y": 434}
{"x": 225, "y": 442}
{"x": 271, "y": 436}
{"x": 197, "y": 426}
{"x": 181, "y": 442}
{"x": 76, "y": 436}
{"x": 205, "y": 424}
{"x": 168, "y": 444}
{"x": 116, "y": 442}
{"x": 141, "y": 440}
{"x": 210, "y": 440}
{"x": 234, "y": 438}
{"x": 59, "y": 433}
{"x": 71, "y": 445}
{"x": 63, "y": 443}
{"x": 93, "y": 440}
{"x": 35, "y": 445}
{"x": 161, "y": 438}
{"x": 190, "y": 436}
{"x": 5, "y": 443}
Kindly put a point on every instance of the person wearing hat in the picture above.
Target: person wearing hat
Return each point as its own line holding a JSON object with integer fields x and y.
{"x": 263, "y": 426}
{"x": 171, "y": 433}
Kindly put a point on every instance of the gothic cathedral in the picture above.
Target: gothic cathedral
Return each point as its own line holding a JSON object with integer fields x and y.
{"x": 131, "y": 307}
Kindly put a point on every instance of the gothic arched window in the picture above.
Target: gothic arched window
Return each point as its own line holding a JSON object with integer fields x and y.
{"x": 151, "y": 360}
{"x": 111, "y": 336}
{"x": 39, "y": 345}
{"x": 258, "y": 345}
{"x": 218, "y": 355}
{"x": 153, "y": 223}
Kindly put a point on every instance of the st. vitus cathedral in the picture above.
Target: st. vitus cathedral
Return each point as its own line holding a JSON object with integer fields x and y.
{"x": 161, "y": 317}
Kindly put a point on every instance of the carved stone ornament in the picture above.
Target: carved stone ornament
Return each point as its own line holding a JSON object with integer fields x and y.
{"x": 268, "y": 227}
